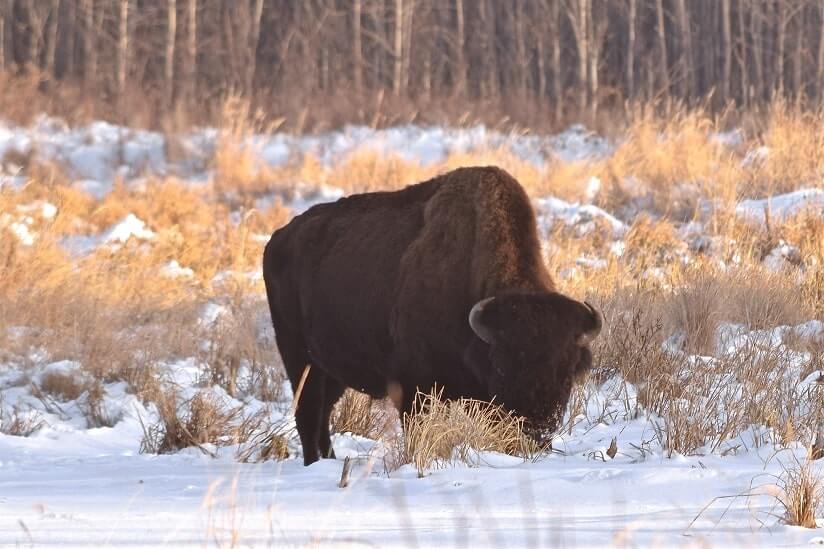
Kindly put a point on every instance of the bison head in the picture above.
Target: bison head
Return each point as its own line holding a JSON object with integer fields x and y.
{"x": 530, "y": 350}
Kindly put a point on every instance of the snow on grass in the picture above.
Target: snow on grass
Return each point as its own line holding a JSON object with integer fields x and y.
{"x": 129, "y": 227}
{"x": 96, "y": 154}
{"x": 782, "y": 207}
{"x": 583, "y": 217}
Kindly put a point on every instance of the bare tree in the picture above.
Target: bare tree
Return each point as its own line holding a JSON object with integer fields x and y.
{"x": 397, "y": 52}
{"x": 485, "y": 54}
{"x": 631, "y": 17}
{"x": 820, "y": 63}
{"x": 726, "y": 31}
{"x": 578, "y": 12}
{"x": 191, "y": 49}
{"x": 557, "y": 76}
{"x": 662, "y": 46}
{"x": 4, "y": 11}
{"x": 686, "y": 62}
{"x": 169, "y": 60}
{"x": 357, "y": 45}
{"x": 122, "y": 46}
{"x": 460, "y": 63}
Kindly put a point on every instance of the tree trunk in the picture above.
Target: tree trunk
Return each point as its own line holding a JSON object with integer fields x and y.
{"x": 251, "y": 54}
{"x": 357, "y": 46}
{"x": 820, "y": 79}
{"x": 662, "y": 48}
{"x": 557, "y": 82}
{"x": 726, "y": 40}
{"x": 122, "y": 47}
{"x": 3, "y": 7}
{"x": 633, "y": 7}
{"x": 798, "y": 62}
{"x": 66, "y": 59}
{"x": 406, "y": 48}
{"x": 779, "y": 46}
{"x": 460, "y": 62}
{"x": 190, "y": 67}
{"x": 171, "y": 33}
{"x": 35, "y": 36}
{"x": 594, "y": 42}
{"x": 397, "y": 51}
{"x": 89, "y": 43}
{"x": 757, "y": 52}
{"x": 686, "y": 62}
{"x": 541, "y": 67}
{"x": 51, "y": 38}
{"x": 520, "y": 51}
{"x": 579, "y": 19}
{"x": 742, "y": 56}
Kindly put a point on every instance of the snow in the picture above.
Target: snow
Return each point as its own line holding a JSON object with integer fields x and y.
{"x": 583, "y": 217}
{"x": 129, "y": 227}
{"x": 782, "y": 207}
{"x": 173, "y": 269}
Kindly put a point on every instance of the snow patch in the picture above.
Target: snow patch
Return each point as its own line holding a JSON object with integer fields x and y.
{"x": 782, "y": 207}
{"x": 584, "y": 217}
{"x": 129, "y": 227}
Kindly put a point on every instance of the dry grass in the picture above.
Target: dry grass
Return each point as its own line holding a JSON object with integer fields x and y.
{"x": 358, "y": 414}
{"x": 235, "y": 343}
{"x": 440, "y": 432}
{"x": 62, "y": 385}
{"x": 800, "y": 494}
{"x": 17, "y": 422}
{"x": 203, "y": 419}
{"x": 261, "y": 439}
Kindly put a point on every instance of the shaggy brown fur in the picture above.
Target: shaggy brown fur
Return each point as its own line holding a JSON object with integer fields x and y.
{"x": 375, "y": 290}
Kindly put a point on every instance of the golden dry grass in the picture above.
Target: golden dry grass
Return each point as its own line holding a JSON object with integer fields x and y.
{"x": 359, "y": 414}
{"x": 439, "y": 432}
{"x": 800, "y": 493}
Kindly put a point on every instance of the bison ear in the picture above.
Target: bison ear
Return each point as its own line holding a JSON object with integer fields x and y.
{"x": 592, "y": 325}
{"x": 479, "y": 320}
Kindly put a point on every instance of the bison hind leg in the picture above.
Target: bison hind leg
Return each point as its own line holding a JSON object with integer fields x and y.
{"x": 310, "y": 401}
{"x": 333, "y": 390}
{"x": 308, "y": 413}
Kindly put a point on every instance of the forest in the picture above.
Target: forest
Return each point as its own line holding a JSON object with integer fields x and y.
{"x": 320, "y": 63}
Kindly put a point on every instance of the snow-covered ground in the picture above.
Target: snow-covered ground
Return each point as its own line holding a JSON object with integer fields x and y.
{"x": 70, "y": 484}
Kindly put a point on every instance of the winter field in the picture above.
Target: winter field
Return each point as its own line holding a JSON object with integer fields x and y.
{"x": 143, "y": 403}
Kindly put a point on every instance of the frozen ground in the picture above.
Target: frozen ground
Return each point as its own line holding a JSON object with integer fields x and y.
{"x": 71, "y": 485}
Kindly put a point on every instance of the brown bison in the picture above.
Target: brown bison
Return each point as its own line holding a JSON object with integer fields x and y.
{"x": 442, "y": 283}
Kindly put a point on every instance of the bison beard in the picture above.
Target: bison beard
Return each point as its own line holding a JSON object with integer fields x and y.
{"x": 442, "y": 283}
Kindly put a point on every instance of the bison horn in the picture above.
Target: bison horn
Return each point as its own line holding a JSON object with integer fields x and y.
{"x": 598, "y": 319}
{"x": 475, "y": 320}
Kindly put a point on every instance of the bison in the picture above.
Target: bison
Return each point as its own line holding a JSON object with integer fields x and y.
{"x": 442, "y": 282}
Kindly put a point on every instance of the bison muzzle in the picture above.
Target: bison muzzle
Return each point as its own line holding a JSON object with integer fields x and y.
{"x": 442, "y": 283}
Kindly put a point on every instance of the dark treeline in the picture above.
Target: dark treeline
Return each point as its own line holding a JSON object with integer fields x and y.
{"x": 566, "y": 56}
